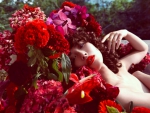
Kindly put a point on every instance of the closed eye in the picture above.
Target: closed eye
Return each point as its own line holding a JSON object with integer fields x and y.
{"x": 80, "y": 45}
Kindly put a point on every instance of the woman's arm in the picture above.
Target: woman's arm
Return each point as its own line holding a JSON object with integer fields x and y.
{"x": 144, "y": 78}
{"x": 141, "y": 48}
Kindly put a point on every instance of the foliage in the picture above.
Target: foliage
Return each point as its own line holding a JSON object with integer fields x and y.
{"x": 112, "y": 15}
{"x": 136, "y": 18}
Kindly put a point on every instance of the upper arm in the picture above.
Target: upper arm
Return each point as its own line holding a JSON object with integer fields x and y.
{"x": 133, "y": 58}
{"x": 138, "y": 98}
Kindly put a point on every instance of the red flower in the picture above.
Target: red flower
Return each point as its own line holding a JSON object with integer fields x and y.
{"x": 69, "y": 4}
{"x": 10, "y": 109}
{"x": 57, "y": 41}
{"x": 27, "y": 7}
{"x": 93, "y": 25}
{"x": 140, "y": 110}
{"x": 11, "y": 89}
{"x": 75, "y": 95}
{"x": 33, "y": 33}
{"x": 110, "y": 103}
{"x": 104, "y": 90}
{"x": 82, "y": 88}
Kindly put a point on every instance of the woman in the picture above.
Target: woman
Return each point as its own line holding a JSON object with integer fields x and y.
{"x": 89, "y": 50}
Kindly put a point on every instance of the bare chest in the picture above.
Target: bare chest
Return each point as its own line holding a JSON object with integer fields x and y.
{"x": 130, "y": 82}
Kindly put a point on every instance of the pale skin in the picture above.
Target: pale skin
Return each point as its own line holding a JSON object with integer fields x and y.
{"x": 133, "y": 87}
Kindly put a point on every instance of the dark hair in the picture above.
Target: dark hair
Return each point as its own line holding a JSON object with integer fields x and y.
{"x": 109, "y": 59}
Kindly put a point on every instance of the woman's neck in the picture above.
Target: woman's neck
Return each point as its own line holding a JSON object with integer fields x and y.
{"x": 108, "y": 75}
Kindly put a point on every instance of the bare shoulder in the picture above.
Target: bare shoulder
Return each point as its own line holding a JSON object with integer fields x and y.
{"x": 138, "y": 98}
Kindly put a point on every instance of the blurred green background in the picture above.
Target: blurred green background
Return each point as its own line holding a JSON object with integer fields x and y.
{"x": 133, "y": 15}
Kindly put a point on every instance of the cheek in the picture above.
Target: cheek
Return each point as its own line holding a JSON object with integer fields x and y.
{"x": 79, "y": 63}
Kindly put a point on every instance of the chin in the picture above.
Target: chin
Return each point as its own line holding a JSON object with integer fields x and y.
{"x": 97, "y": 66}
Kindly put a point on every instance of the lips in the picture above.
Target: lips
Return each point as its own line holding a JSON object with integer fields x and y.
{"x": 90, "y": 60}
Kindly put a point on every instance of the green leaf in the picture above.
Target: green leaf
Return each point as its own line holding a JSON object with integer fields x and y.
{"x": 112, "y": 109}
{"x": 66, "y": 67}
{"x": 55, "y": 67}
{"x": 34, "y": 83}
{"x": 52, "y": 76}
{"x": 32, "y": 61}
{"x": 30, "y": 53}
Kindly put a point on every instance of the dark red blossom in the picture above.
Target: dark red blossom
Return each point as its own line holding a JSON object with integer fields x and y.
{"x": 19, "y": 73}
{"x": 93, "y": 25}
{"x": 11, "y": 89}
{"x": 57, "y": 42}
{"x": 33, "y": 33}
{"x": 69, "y": 4}
{"x": 103, "y": 106}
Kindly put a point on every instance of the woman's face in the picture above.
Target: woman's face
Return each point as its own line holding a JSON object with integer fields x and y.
{"x": 86, "y": 54}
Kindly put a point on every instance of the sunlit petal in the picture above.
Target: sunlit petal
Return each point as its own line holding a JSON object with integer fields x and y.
{"x": 49, "y": 21}
{"x": 62, "y": 15}
{"x": 65, "y": 29}
{"x": 58, "y": 22}
{"x": 67, "y": 8}
{"x": 71, "y": 26}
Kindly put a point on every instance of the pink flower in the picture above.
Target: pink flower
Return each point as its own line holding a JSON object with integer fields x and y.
{"x": 61, "y": 22}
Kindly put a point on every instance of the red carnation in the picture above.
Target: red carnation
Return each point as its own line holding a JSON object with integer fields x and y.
{"x": 69, "y": 4}
{"x": 33, "y": 33}
{"x": 93, "y": 25}
{"x": 140, "y": 110}
{"x": 110, "y": 103}
{"x": 57, "y": 41}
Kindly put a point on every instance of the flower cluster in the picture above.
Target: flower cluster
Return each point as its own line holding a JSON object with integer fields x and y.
{"x": 25, "y": 15}
{"x": 41, "y": 73}
{"x": 48, "y": 92}
{"x": 6, "y": 50}
{"x": 36, "y": 46}
{"x": 97, "y": 90}
{"x": 34, "y": 33}
{"x": 109, "y": 106}
{"x": 70, "y": 17}
{"x": 57, "y": 41}
{"x": 125, "y": 49}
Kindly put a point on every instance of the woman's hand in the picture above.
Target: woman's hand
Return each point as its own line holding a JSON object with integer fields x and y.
{"x": 114, "y": 39}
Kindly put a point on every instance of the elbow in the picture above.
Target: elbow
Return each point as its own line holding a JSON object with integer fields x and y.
{"x": 146, "y": 48}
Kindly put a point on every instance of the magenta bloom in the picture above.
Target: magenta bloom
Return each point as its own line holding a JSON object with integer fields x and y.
{"x": 61, "y": 22}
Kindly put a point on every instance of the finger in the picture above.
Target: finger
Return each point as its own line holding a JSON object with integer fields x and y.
{"x": 104, "y": 39}
{"x": 110, "y": 41}
{"x": 114, "y": 40}
{"x": 118, "y": 41}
